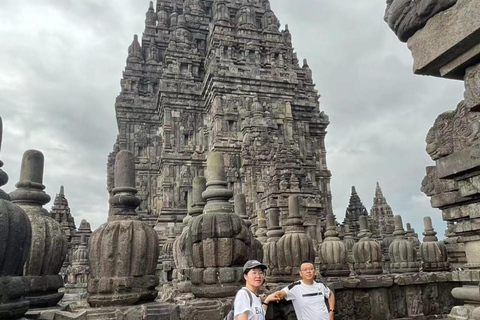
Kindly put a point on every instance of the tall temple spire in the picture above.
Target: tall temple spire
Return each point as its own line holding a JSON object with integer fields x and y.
{"x": 354, "y": 210}
{"x": 381, "y": 213}
{"x": 184, "y": 60}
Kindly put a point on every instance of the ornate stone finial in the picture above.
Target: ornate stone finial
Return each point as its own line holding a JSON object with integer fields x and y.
{"x": 151, "y": 16}
{"x": 333, "y": 253}
{"x": 15, "y": 240}
{"x": 412, "y": 236}
{"x": 135, "y": 50}
{"x": 295, "y": 246}
{"x": 246, "y": 16}
{"x": 199, "y": 185}
{"x": 217, "y": 267}
{"x": 261, "y": 233}
{"x": 241, "y": 208}
{"x": 305, "y": 65}
{"x": 286, "y": 27}
{"x": 349, "y": 242}
{"x": 221, "y": 13}
{"x": 403, "y": 257}
{"x": 130, "y": 244}
{"x": 270, "y": 249}
{"x": 432, "y": 252}
{"x": 367, "y": 252}
{"x": 43, "y": 265}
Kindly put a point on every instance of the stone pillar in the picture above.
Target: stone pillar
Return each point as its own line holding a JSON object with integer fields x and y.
{"x": 433, "y": 253}
{"x": 49, "y": 242}
{"x": 295, "y": 246}
{"x": 403, "y": 256}
{"x": 220, "y": 239}
{"x": 127, "y": 276}
{"x": 15, "y": 240}
{"x": 241, "y": 208}
{"x": 367, "y": 252}
{"x": 333, "y": 254}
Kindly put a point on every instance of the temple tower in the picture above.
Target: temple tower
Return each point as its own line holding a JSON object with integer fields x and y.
{"x": 381, "y": 213}
{"x": 220, "y": 76}
{"x": 354, "y": 210}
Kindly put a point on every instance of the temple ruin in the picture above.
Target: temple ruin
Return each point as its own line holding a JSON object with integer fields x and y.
{"x": 220, "y": 158}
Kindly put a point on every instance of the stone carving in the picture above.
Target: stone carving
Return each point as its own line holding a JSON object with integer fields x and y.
{"x": 78, "y": 272}
{"x": 295, "y": 246}
{"x": 472, "y": 83}
{"x": 135, "y": 50}
{"x": 128, "y": 276}
{"x": 406, "y": 17}
{"x": 221, "y": 242}
{"x": 49, "y": 242}
{"x": 432, "y": 252}
{"x": 246, "y": 17}
{"x": 403, "y": 257}
{"x": 150, "y": 16}
{"x": 440, "y": 137}
{"x": 367, "y": 252}
{"x": 333, "y": 255}
{"x": 270, "y": 248}
{"x": 349, "y": 242}
{"x": 15, "y": 240}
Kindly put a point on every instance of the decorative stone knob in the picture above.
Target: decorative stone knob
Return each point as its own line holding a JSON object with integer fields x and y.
{"x": 432, "y": 252}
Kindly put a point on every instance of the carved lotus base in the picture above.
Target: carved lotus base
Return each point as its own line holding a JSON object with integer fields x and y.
{"x": 435, "y": 266}
{"x": 403, "y": 267}
{"x": 12, "y": 303}
{"x": 216, "y": 282}
{"x": 43, "y": 290}
{"x": 370, "y": 268}
{"x": 122, "y": 291}
{"x": 335, "y": 270}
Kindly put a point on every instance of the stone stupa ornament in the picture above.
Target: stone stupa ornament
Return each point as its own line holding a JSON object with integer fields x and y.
{"x": 128, "y": 275}
{"x": 15, "y": 239}
{"x": 432, "y": 252}
{"x": 270, "y": 250}
{"x": 403, "y": 257}
{"x": 49, "y": 242}
{"x": 221, "y": 242}
{"x": 367, "y": 252}
{"x": 295, "y": 246}
{"x": 333, "y": 254}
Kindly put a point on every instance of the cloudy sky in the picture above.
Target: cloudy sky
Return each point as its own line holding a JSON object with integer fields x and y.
{"x": 60, "y": 67}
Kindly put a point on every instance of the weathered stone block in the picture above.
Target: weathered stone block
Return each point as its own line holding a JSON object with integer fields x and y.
{"x": 227, "y": 275}
{"x": 448, "y": 42}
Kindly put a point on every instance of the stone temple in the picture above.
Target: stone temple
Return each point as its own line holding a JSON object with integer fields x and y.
{"x": 220, "y": 76}
{"x": 220, "y": 158}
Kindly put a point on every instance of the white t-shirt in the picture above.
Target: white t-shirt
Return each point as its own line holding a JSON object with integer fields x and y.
{"x": 242, "y": 304}
{"x": 308, "y": 300}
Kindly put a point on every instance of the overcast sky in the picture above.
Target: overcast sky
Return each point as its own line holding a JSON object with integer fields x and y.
{"x": 60, "y": 67}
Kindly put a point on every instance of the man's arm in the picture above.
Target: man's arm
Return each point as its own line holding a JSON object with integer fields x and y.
{"x": 243, "y": 316}
{"x": 331, "y": 305}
